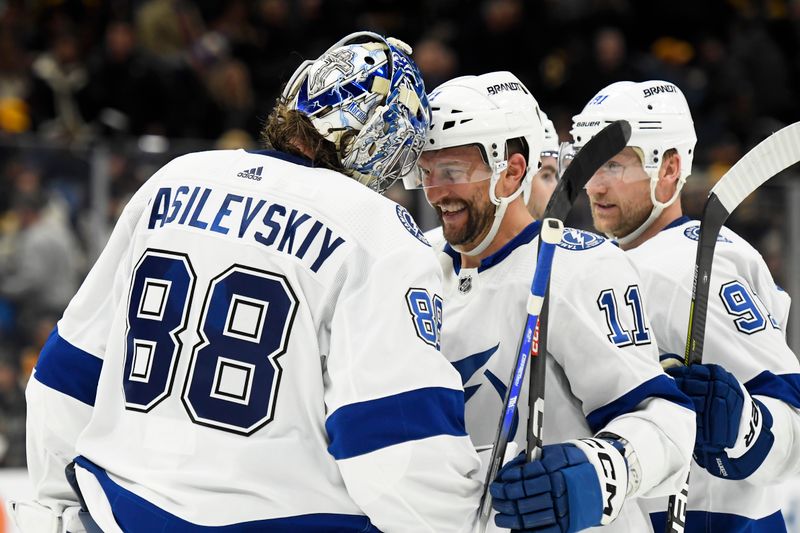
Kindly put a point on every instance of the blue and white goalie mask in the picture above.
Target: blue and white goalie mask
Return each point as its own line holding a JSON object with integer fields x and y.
{"x": 366, "y": 95}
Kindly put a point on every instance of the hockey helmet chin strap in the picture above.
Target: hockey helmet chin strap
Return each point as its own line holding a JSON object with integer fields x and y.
{"x": 658, "y": 207}
{"x": 499, "y": 212}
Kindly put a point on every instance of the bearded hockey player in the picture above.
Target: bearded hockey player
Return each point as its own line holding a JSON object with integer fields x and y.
{"x": 747, "y": 391}
{"x": 615, "y": 426}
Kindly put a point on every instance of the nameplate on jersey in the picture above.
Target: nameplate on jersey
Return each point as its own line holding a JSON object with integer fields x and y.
{"x": 276, "y": 226}
{"x": 693, "y": 232}
{"x": 576, "y": 239}
{"x": 410, "y": 224}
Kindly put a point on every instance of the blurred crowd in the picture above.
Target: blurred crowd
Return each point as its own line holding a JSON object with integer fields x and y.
{"x": 95, "y": 91}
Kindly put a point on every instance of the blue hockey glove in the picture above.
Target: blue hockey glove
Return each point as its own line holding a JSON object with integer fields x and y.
{"x": 575, "y": 485}
{"x": 733, "y": 429}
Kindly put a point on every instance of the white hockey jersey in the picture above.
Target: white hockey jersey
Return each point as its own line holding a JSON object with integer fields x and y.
{"x": 602, "y": 363}
{"x": 745, "y": 334}
{"x": 256, "y": 348}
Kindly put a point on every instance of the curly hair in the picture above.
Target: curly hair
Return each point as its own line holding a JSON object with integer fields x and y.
{"x": 290, "y": 131}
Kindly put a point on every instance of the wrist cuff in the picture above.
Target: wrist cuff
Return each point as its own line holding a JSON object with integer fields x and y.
{"x": 750, "y": 425}
{"x": 612, "y": 473}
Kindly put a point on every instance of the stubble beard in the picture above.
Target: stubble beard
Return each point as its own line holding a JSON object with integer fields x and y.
{"x": 479, "y": 220}
{"x": 630, "y": 216}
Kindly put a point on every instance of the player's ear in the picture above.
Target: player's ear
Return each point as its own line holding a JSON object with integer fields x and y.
{"x": 671, "y": 166}
{"x": 669, "y": 174}
{"x": 514, "y": 173}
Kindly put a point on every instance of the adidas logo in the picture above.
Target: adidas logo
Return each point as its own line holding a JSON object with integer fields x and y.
{"x": 252, "y": 174}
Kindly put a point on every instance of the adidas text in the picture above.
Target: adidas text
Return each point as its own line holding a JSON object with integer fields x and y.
{"x": 251, "y": 174}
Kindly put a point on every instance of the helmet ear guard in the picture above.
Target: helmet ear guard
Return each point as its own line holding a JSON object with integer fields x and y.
{"x": 367, "y": 84}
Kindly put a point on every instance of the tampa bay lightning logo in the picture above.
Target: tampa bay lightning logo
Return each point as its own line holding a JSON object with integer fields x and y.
{"x": 576, "y": 239}
{"x": 693, "y": 233}
{"x": 410, "y": 224}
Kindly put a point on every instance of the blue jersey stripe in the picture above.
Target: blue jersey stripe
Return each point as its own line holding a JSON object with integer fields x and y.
{"x": 134, "y": 514}
{"x": 704, "y": 522}
{"x": 785, "y": 387}
{"x": 364, "y": 427}
{"x": 68, "y": 369}
{"x": 658, "y": 387}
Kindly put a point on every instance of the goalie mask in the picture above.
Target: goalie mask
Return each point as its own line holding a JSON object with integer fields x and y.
{"x": 366, "y": 95}
{"x": 660, "y": 120}
{"x": 486, "y": 111}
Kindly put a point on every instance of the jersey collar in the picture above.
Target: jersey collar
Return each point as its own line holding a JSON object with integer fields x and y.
{"x": 680, "y": 221}
{"x": 523, "y": 237}
{"x": 291, "y": 158}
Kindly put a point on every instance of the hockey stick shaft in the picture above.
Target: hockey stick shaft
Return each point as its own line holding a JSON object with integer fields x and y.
{"x": 772, "y": 155}
{"x": 602, "y": 147}
{"x": 550, "y": 236}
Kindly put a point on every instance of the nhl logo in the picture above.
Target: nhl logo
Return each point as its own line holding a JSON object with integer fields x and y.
{"x": 465, "y": 284}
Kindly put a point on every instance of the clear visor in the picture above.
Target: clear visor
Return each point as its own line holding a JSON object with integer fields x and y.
{"x": 624, "y": 167}
{"x": 449, "y": 167}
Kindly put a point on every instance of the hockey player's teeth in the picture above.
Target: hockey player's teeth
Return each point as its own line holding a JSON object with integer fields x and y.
{"x": 450, "y": 213}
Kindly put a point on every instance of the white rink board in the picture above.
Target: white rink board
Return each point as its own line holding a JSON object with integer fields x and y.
{"x": 14, "y": 484}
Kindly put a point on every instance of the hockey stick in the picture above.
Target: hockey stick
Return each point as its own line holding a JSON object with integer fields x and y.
{"x": 550, "y": 235}
{"x": 600, "y": 148}
{"x": 769, "y": 157}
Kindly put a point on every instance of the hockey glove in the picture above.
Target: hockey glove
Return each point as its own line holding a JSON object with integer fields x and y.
{"x": 733, "y": 429}
{"x": 575, "y": 485}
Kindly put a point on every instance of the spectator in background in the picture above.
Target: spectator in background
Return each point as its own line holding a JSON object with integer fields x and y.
{"x": 58, "y": 94}
{"x": 43, "y": 273}
{"x": 437, "y": 61}
{"x": 609, "y": 62}
{"x": 14, "y": 82}
{"x": 12, "y": 411}
{"x": 167, "y": 28}
{"x": 229, "y": 86}
{"x": 124, "y": 88}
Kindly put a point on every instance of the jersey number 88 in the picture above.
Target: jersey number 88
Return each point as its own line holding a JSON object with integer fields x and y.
{"x": 234, "y": 373}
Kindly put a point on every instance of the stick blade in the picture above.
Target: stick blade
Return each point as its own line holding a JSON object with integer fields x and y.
{"x": 772, "y": 155}
{"x": 600, "y": 148}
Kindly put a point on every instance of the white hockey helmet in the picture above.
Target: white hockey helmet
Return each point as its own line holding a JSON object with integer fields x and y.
{"x": 486, "y": 110}
{"x": 368, "y": 84}
{"x": 550, "y": 144}
{"x": 660, "y": 120}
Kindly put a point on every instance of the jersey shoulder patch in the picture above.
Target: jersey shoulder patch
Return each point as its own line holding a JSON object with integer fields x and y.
{"x": 693, "y": 233}
{"x": 410, "y": 224}
{"x": 578, "y": 239}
